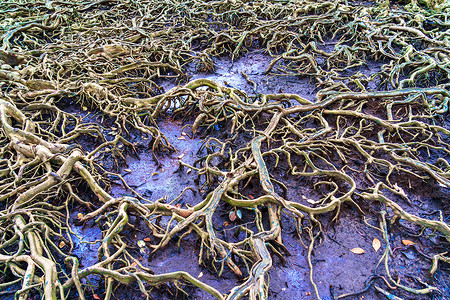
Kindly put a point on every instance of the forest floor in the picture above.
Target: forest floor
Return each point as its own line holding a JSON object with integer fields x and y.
{"x": 229, "y": 149}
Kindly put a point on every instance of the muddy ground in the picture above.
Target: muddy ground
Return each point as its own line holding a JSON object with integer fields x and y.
{"x": 337, "y": 270}
{"x": 86, "y": 73}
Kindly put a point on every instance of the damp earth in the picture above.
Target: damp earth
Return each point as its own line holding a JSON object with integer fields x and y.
{"x": 224, "y": 149}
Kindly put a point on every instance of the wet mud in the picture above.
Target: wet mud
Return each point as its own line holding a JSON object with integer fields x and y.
{"x": 109, "y": 78}
{"x": 248, "y": 73}
{"x": 337, "y": 270}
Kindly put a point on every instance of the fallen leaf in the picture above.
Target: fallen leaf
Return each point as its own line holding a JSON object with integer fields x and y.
{"x": 84, "y": 108}
{"x": 184, "y": 133}
{"x": 147, "y": 239}
{"x": 226, "y": 223}
{"x": 358, "y": 251}
{"x": 232, "y": 216}
{"x": 408, "y": 242}
{"x": 200, "y": 275}
{"x": 97, "y": 297}
{"x": 251, "y": 197}
{"x": 61, "y": 244}
{"x": 141, "y": 243}
{"x": 80, "y": 215}
{"x": 239, "y": 214}
{"x": 304, "y": 197}
{"x": 181, "y": 138}
{"x": 376, "y": 244}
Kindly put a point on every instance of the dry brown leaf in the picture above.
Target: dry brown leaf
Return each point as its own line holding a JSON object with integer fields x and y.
{"x": 376, "y": 244}
{"x": 407, "y": 242}
{"x": 358, "y": 251}
{"x": 97, "y": 297}
{"x": 80, "y": 215}
{"x": 147, "y": 239}
{"x": 61, "y": 244}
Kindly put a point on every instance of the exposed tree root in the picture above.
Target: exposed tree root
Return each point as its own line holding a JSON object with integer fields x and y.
{"x": 107, "y": 56}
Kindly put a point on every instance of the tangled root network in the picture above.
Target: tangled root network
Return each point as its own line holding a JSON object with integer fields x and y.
{"x": 363, "y": 143}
